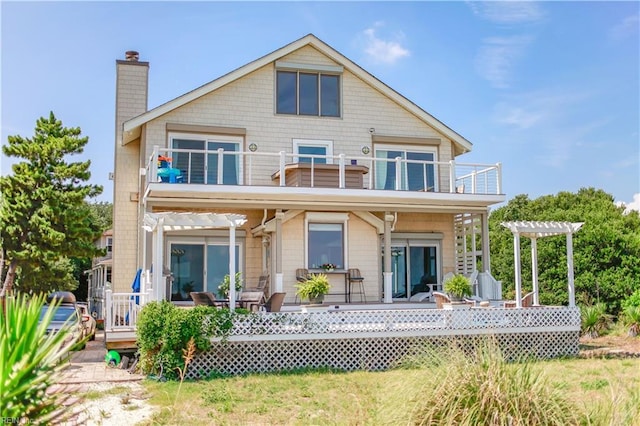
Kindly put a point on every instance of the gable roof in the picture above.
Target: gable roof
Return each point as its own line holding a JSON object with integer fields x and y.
{"x": 132, "y": 127}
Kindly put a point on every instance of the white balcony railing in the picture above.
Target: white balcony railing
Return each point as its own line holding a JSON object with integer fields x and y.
{"x": 221, "y": 167}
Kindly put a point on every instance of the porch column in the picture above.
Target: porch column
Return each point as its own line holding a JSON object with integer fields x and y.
{"x": 534, "y": 270}
{"x": 572, "y": 291}
{"x": 279, "y": 279}
{"x": 486, "y": 251}
{"x": 232, "y": 266}
{"x": 518, "y": 277}
{"x": 387, "y": 274}
{"x": 158, "y": 243}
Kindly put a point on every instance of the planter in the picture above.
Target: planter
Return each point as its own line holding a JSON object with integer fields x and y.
{"x": 316, "y": 300}
{"x": 456, "y": 305}
{"x": 329, "y": 270}
{"x": 314, "y": 308}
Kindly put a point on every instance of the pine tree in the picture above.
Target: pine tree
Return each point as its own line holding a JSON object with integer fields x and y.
{"x": 44, "y": 216}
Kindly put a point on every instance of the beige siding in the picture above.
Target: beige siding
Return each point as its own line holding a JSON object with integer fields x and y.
{"x": 432, "y": 222}
{"x": 363, "y": 253}
{"x": 131, "y": 100}
{"x": 249, "y": 103}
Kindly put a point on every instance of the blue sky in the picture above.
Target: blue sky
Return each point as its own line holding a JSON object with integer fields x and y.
{"x": 549, "y": 89}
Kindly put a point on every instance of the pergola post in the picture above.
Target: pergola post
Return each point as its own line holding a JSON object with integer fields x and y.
{"x": 157, "y": 264}
{"x": 232, "y": 267}
{"x": 518, "y": 274}
{"x": 534, "y": 270}
{"x": 572, "y": 291}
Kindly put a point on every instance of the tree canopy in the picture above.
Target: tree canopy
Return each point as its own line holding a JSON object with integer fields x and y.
{"x": 606, "y": 248}
{"x": 44, "y": 215}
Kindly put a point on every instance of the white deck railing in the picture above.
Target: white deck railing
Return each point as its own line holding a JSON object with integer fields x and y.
{"x": 256, "y": 168}
{"x": 332, "y": 324}
{"x": 122, "y": 310}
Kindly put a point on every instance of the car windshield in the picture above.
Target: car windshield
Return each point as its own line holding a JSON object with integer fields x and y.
{"x": 62, "y": 313}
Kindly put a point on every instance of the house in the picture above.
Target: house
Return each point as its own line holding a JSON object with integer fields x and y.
{"x": 302, "y": 160}
{"x": 99, "y": 276}
{"x": 325, "y": 163}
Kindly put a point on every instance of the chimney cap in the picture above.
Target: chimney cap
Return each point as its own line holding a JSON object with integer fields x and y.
{"x": 131, "y": 55}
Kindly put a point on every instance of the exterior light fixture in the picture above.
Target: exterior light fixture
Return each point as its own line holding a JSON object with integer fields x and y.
{"x": 366, "y": 150}
{"x": 253, "y": 147}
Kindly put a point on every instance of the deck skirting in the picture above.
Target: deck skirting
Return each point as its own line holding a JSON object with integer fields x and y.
{"x": 374, "y": 341}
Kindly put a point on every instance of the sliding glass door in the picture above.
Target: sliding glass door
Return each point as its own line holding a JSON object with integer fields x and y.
{"x": 415, "y": 265}
{"x": 200, "y": 266}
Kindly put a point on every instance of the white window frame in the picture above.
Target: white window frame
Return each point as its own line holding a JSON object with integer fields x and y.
{"x": 108, "y": 244}
{"x": 322, "y": 217}
{"x": 238, "y": 140}
{"x": 410, "y": 148}
{"x": 213, "y": 240}
{"x": 327, "y": 144}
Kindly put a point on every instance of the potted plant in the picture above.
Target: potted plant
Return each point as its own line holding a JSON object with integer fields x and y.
{"x": 314, "y": 288}
{"x": 224, "y": 286}
{"x": 457, "y": 287}
{"x": 329, "y": 266}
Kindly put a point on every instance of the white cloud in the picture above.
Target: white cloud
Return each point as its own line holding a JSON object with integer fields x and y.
{"x": 633, "y": 205}
{"x": 527, "y": 110}
{"x": 385, "y": 51}
{"x": 497, "y": 56}
{"x": 507, "y": 12}
{"x": 626, "y": 28}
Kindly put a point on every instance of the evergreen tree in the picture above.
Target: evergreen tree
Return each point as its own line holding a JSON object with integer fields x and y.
{"x": 44, "y": 216}
{"x": 606, "y": 248}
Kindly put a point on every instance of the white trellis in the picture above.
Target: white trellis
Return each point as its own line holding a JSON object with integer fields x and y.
{"x": 159, "y": 223}
{"x": 535, "y": 230}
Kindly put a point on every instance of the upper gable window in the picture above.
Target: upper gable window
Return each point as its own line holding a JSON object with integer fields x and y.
{"x": 306, "y": 91}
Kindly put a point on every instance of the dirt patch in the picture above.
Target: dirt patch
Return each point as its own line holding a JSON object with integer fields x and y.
{"x": 610, "y": 346}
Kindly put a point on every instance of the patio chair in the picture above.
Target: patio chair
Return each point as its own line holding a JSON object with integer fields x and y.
{"x": 440, "y": 299}
{"x": 302, "y": 275}
{"x": 356, "y": 278}
{"x": 263, "y": 284}
{"x": 527, "y": 301}
{"x": 274, "y": 303}
{"x": 251, "y": 300}
{"x": 203, "y": 298}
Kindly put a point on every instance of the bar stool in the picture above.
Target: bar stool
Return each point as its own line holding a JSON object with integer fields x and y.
{"x": 356, "y": 278}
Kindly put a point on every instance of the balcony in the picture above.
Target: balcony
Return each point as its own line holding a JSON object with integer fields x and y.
{"x": 265, "y": 176}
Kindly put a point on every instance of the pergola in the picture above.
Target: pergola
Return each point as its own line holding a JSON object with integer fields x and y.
{"x": 159, "y": 223}
{"x": 535, "y": 230}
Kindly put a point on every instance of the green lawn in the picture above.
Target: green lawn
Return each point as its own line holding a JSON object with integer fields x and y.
{"x": 602, "y": 390}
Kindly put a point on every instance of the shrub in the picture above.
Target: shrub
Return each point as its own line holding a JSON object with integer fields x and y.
{"x": 476, "y": 386}
{"x": 225, "y": 285}
{"x": 317, "y": 285}
{"x": 633, "y": 300}
{"x": 30, "y": 361}
{"x": 631, "y": 319}
{"x": 164, "y": 331}
{"x": 458, "y": 286}
{"x": 594, "y": 320}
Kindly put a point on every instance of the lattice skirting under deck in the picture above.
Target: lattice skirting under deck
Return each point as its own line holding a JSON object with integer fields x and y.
{"x": 261, "y": 356}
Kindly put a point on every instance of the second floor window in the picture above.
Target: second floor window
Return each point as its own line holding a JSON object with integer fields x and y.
{"x": 320, "y": 151}
{"x": 197, "y": 158}
{"x": 417, "y": 169}
{"x": 308, "y": 93}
